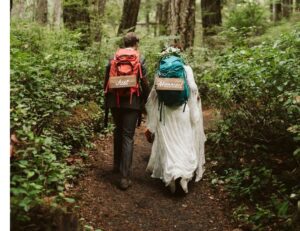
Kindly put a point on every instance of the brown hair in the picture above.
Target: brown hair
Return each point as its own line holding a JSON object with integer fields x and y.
{"x": 130, "y": 39}
{"x": 178, "y": 45}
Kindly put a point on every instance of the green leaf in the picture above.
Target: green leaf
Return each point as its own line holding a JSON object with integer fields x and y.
{"x": 283, "y": 209}
{"x": 69, "y": 200}
{"x": 30, "y": 174}
{"x": 18, "y": 191}
{"x": 88, "y": 228}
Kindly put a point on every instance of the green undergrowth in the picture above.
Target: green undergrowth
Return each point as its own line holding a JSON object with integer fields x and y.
{"x": 256, "y": 144}
{"x": 56, "y": 98}
{"x": 275, "y": 30}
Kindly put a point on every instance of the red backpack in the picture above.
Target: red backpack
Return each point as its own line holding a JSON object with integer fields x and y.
{"x": 126, "y": 62}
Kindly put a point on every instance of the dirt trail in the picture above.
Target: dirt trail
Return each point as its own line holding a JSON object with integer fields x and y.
{"x": 147, "y": 205}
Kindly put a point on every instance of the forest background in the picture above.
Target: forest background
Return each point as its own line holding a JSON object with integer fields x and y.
{"x": 245, "y": 56}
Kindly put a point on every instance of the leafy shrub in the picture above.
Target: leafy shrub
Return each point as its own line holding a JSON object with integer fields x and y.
{"x": 53, "y": 86}
{"x": 257, "y": 89}
{"x": 245, "y": 20}
{"x": 247, "y": 17}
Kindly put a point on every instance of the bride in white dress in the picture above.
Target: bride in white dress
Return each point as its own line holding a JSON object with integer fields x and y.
{"x": 178, "y": 147}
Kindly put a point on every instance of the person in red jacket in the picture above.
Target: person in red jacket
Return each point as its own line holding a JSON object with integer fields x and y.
{"x": 126, "y": 109}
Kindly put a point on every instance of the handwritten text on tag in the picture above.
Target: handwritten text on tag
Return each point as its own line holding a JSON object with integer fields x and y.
{"x": 169, "y": 84}
{"x": 122, "y": 81}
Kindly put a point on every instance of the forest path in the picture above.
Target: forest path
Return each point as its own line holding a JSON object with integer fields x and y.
{"x": 147, "y": 204}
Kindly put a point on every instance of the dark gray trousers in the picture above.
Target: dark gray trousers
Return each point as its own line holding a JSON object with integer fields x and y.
{"x": 125, "y": 121}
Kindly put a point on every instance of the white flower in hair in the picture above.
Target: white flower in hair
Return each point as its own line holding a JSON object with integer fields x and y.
{"x": 171, "y": 51}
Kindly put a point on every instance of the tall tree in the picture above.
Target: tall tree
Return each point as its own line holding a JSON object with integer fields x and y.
{"x": 147, "y": 15}
{"x": 297, "y": 5}
{"x": 211, "y": 16}
{"x": 181, "y": 21}
{"x": 129, "y": 16}
{"x": 287, "y": 6}
{"x": 276, "y": 9}
{"x": 188, "y": 22}
{"x": 41, "y": 11}
{"x": 96, "y": 15}
{"x": 162, "y": 12}
{"x": 23, "y": 9}
{"x": 158, "y": 17}
{"x": 55, "y": 11}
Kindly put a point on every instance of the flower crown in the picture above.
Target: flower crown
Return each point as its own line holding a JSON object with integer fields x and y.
{"x": 170, "y": 51}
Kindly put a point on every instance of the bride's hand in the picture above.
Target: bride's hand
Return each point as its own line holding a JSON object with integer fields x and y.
{"x": 149, "y": 136}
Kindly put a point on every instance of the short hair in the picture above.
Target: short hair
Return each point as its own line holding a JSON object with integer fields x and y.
{"x": 130, "y": 39}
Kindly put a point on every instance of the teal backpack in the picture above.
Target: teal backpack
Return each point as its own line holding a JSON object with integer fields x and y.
{"x": 173, "y": 66}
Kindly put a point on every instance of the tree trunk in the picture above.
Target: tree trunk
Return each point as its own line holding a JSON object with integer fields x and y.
{"x": 297, "y": 6}
{"x": 41, "y": 11}
{"x": 23, "y": 9}
{"x": 55, "y": 12}
{"x": 211, "y": 16}
{"x": 188, "y": 22}
{"x": 147, "y": 15}
{"x": 96, "y": 15}
{"x": 158, "y": 16}
{"x": 181, "y": 21}
{"x": 162, "y": 12}
{"x": 276, "y": 10}
{"x": 174, "y": 17}
{"x": 129, "y": 16}
{"x": 11, "y": 5}
{"x": 287, "y": 6}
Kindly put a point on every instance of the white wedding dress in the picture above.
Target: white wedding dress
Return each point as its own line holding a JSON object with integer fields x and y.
{"x": 178, "y": 147}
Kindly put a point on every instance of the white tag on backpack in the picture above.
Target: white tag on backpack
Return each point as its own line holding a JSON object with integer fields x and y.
{"x": 169, "y": 84}
{"x": 122, "y": 81}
